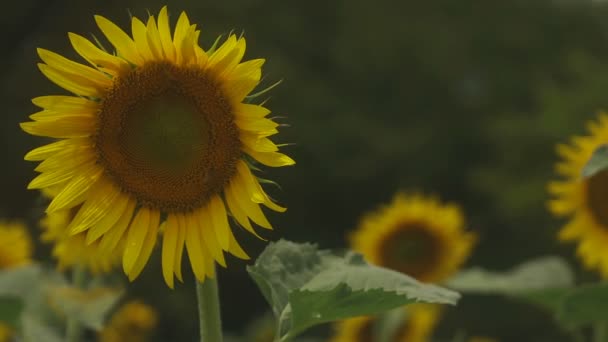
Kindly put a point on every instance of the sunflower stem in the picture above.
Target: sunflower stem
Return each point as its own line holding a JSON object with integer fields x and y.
{"x": 73, "y": 328}
{"x": 209, "y": 310}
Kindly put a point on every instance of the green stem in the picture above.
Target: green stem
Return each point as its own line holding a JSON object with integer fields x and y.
{"x": 209, "y": 310}
{"x": 600, "y": 332}
{"x": 73, "y": 328}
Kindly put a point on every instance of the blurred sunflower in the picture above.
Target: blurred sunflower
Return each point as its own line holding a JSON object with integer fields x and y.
{"x": 15, "y": 245}
{"x": 159, "y": 136}
{"x": 15, "y": 250}
{"x": 583, "y": 200}
{"x": 133, "y": 322}
{"x": 415, "y": 235}
{"x": 6, "y": 333}
{"x": 71, "y": 250}
{"x": 420, "y": 321}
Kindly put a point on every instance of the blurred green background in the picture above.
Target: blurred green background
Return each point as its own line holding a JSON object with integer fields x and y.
{"x": 463, "y": 99}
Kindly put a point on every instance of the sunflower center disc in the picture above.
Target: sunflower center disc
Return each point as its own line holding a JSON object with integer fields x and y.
{"x": 167, "y": 136}
{"x": 366, "y": 332}
{"x": 412, "y": 250}
{"x": 597, "y": 197}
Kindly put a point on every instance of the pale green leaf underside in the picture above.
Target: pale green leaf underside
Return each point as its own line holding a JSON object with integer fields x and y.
{"x": 306, "y": 286}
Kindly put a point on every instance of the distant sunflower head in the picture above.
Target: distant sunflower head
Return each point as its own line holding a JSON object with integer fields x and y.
{"x": 6, "y": 333}
{"x": 583, "y": 200}
{"x": 133, "y": 322}
{"x": 15, "y": 245}
{"x": 76, "y": 249}
{"x": 158, "y": 136}
{"x": 415, "y": 235}
{"x": 418, "y": 326}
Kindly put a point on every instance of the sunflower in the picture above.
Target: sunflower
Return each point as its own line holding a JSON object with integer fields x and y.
{"x": 75, "y": 250}
{"x": 15, "y": 245}
{"x": 418, "y": 326}
{"x": 6, "y": 333}
{"x": 133, "y": 322}
{"x": 415, "y": 235}
{"x": 583, "y": 200}
{"x": 159, "y": 136}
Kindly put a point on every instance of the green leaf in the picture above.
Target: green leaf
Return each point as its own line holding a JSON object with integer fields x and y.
{"x": 10, "y": 310}
{"x": 35, "y": 329}
{"x": 306, "y": 286}
{"x": 597, "y": 163}
{"x": 585, "y": 304}
{"x": 19, "y": 281}
{"x": 90, "y": 307}
{"x": 539, "y": 274}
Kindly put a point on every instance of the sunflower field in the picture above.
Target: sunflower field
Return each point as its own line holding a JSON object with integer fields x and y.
{"x": 304, "y": 171}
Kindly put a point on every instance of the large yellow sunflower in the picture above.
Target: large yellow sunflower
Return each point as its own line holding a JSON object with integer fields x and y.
{"x": 158, "y": 136}
{"x": 583, "y": 200}
{"x": 415, "y": 235}
{"x": 15, "y": 245}
{"x": 420, "y": 322}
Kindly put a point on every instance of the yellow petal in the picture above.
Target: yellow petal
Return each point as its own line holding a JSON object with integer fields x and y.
{"x": 108, "y": 63}
{"x": 223, "y": 52}
{"x": 256, "y": 125}
{"x": 194, "y": 244}
{"x": 125, "y": 46}
{"x": 75, "y": 192}
{"x": 43, "y": 152}
{"x": 188, "y": 46}
{"x": 251, "y": 111}
{"x": 170, "y": 236}
{"x": 235, "y": 248}
{"x": 101, "y": 200}
{"x": 154, "y": 43}
{"x": 67, "y": 158}
{"x": 67, "y": 66}
{"x": 50, "y": 115}
{"x": 273, "y": 159}
{"x": 138, "y": 230}
{"x": 251, "y": 209}
{"x": 66, "y": 104}
{"x": 108, "y": 221}
{"x": 181, "y": 31}
{"x": 258, "y": 143}
{"x": 250, "y": 69}
{"x": 148, "y": 245}
{"x": 219, "y": 219}
{"x": 57, "y": 176}
{"x": 208, "y": 235}
{"x": 78, "y": 85}
{"x": 165, "y": 34}
{"x": 140, "y": 37}
{"x": 236, "y": 211}
{"x": 179, "y": 249}
{"x": 111, "y": 239}
{"x": 63, "y": 127}
{"x": 268, "y": 202}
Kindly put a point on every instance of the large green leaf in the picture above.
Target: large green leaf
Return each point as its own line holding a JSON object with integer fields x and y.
{"x": 19, "y": 281}
{"x": 306, "y": 286}
{"x": 90, "y": 307}
{"x": 543, "y": 282}
{"x": 543, "y": 273}
{"x": 597, "y": 163}
{"x": 585, "y": 304}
